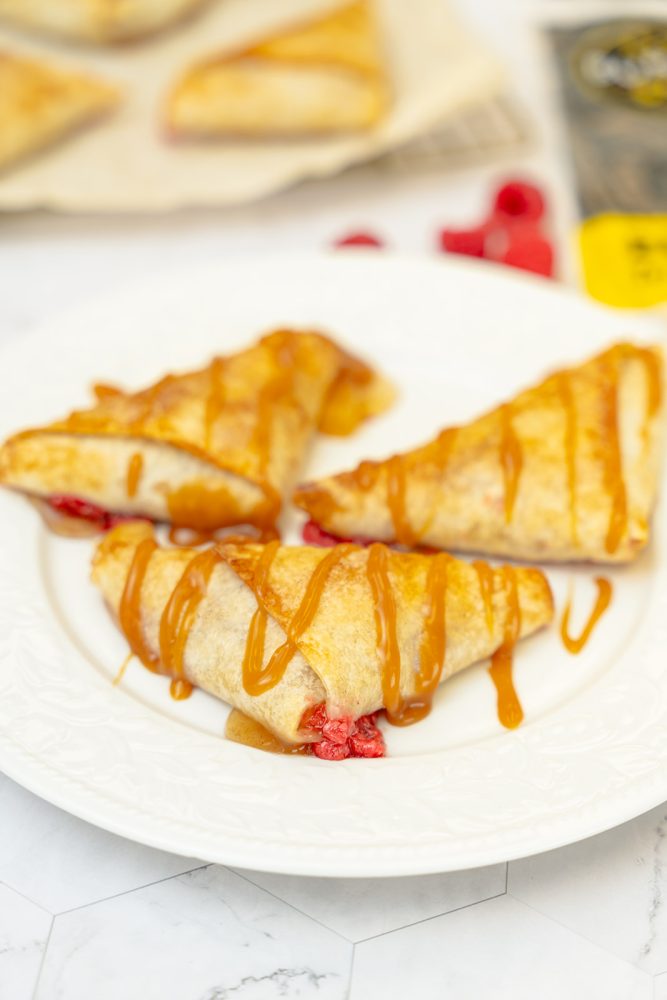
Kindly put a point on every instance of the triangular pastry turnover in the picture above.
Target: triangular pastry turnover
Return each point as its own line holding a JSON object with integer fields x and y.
{"x": 41, "y": 104}
{"x": 100, "y": 21}
{"x": 325, "y": 76}
{"x": 567, "y": 470}
{"x": 203, "y": 450}
{"x": 284, "y": 634}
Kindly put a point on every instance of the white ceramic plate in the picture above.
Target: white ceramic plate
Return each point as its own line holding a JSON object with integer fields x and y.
{"x": 457, "y": 790}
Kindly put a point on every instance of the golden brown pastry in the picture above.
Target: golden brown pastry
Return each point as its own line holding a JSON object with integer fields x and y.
{"x": 203, "y": 450}
{"x": 101, "y": 21}
{"x": 312, "y": 642}
{"x": 566, "y": 471}
{"x": 41, "y": 104}
{"x": 325, "y": 76}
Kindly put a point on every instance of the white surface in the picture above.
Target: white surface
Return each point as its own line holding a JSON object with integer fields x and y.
{"x": 592, "y": 750}
{"x": 48, "y": 264}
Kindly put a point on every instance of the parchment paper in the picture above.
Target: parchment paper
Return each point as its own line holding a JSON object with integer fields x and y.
{"x": 127, "y": 163}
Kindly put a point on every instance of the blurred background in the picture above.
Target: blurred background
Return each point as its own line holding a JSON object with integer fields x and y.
{"x": 147, "y": 136}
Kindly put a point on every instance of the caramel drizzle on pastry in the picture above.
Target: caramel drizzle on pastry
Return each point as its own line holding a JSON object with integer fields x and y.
{"x": 216, "y": 399}
{"x": 129, "y": 612}
{"x": 485, "y": 575}
{"x": 134, "y": 470}
{"x": 564, "y": 389}
{"x": 274, "y": 670}
{"x": 254, "y": 679}
{"x": 510, "y": 712}
{"x": 511, "y": 459}
{"x": 433, "y": 647}
{"x": 179, "y": 615}
{"x": 396, "y": 501}
{"x": 603, "y": 600}
{"x": 181, "y": 609}
{"x": 613, "y": 464}
{"x": 385, "y": 626}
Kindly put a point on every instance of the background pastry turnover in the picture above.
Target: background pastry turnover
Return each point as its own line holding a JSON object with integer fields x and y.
{"x": 41, "y": 104}
{"x": 99, "y": 21}
{"x": 206, "y": 449}
{"x": 312, "y": 617}
{"x": 568, "y": 470}
{"x": 325, "y": 76}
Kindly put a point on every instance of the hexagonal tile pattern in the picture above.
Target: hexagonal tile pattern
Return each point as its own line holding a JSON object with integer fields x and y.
{"x": 61, "y": 862}
{"x": 499, "y": 948}
{"x": 208, "y": 935}
{"x": 24, "y": 930}
{"x": 611, "y": 889}
{"x": 363, "y": 908}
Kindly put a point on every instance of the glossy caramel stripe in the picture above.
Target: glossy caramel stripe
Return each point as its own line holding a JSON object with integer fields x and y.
{"x": 403, "y": 532}
{"x": 510, "y": 712}
{"x": 179, "y": 615}
{"x": 613, "y": 468}
{"x": 433, "y": 647}
{"x": 216, "y": 399}
{"x": 511, "y": 459}
{"x": 602, "y": 602}
{"x": 275, "y": 669}
{"x": 134, "y": 470}
{"x": 486, "y": 576}
{"x": 254, "y": 650}
{"x": 564, "y": 388}
{"x": 129, "y": 612}
{"x": 384, "y": 609}
{"x": 653, "y": 368}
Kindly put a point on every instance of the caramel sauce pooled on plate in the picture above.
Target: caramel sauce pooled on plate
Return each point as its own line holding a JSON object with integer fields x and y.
{"x": 602, "y": 602}
{"x": 240, "y": 728}
{"x": 510, "y": 712}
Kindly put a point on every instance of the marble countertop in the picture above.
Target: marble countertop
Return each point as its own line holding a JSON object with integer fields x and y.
{"x": 84, "y": 913}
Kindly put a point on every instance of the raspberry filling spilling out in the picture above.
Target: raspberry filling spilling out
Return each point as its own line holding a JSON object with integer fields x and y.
{"x": 313, "y": 534}
{"x": 70, "y": 506}
{"x": 342, "y": 738}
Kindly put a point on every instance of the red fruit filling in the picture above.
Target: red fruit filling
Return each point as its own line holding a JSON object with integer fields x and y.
{"x": 519, "y": 199}
{"x": 313, "y": 534}
{"x": 85, "y": 511}
{"x": 343, "y": 738}
{"x": 360, "y": 239}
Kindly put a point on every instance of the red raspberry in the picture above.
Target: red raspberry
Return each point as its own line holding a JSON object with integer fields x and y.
{"x": 314, "y": 718}
{"x": 366, "y": 725}
{"x": 518, "y": 199}
{"x": 326, "y": 750}
{"x": 464, "y": 241}
{"x": 531, "y": 254}
{"x": 338, "y": 730}
{"x": 367, "y": 746}
{"x": 359, "y": 239}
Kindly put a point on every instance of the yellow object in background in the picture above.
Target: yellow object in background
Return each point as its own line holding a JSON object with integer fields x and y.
{"x": 624, "y": 259}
